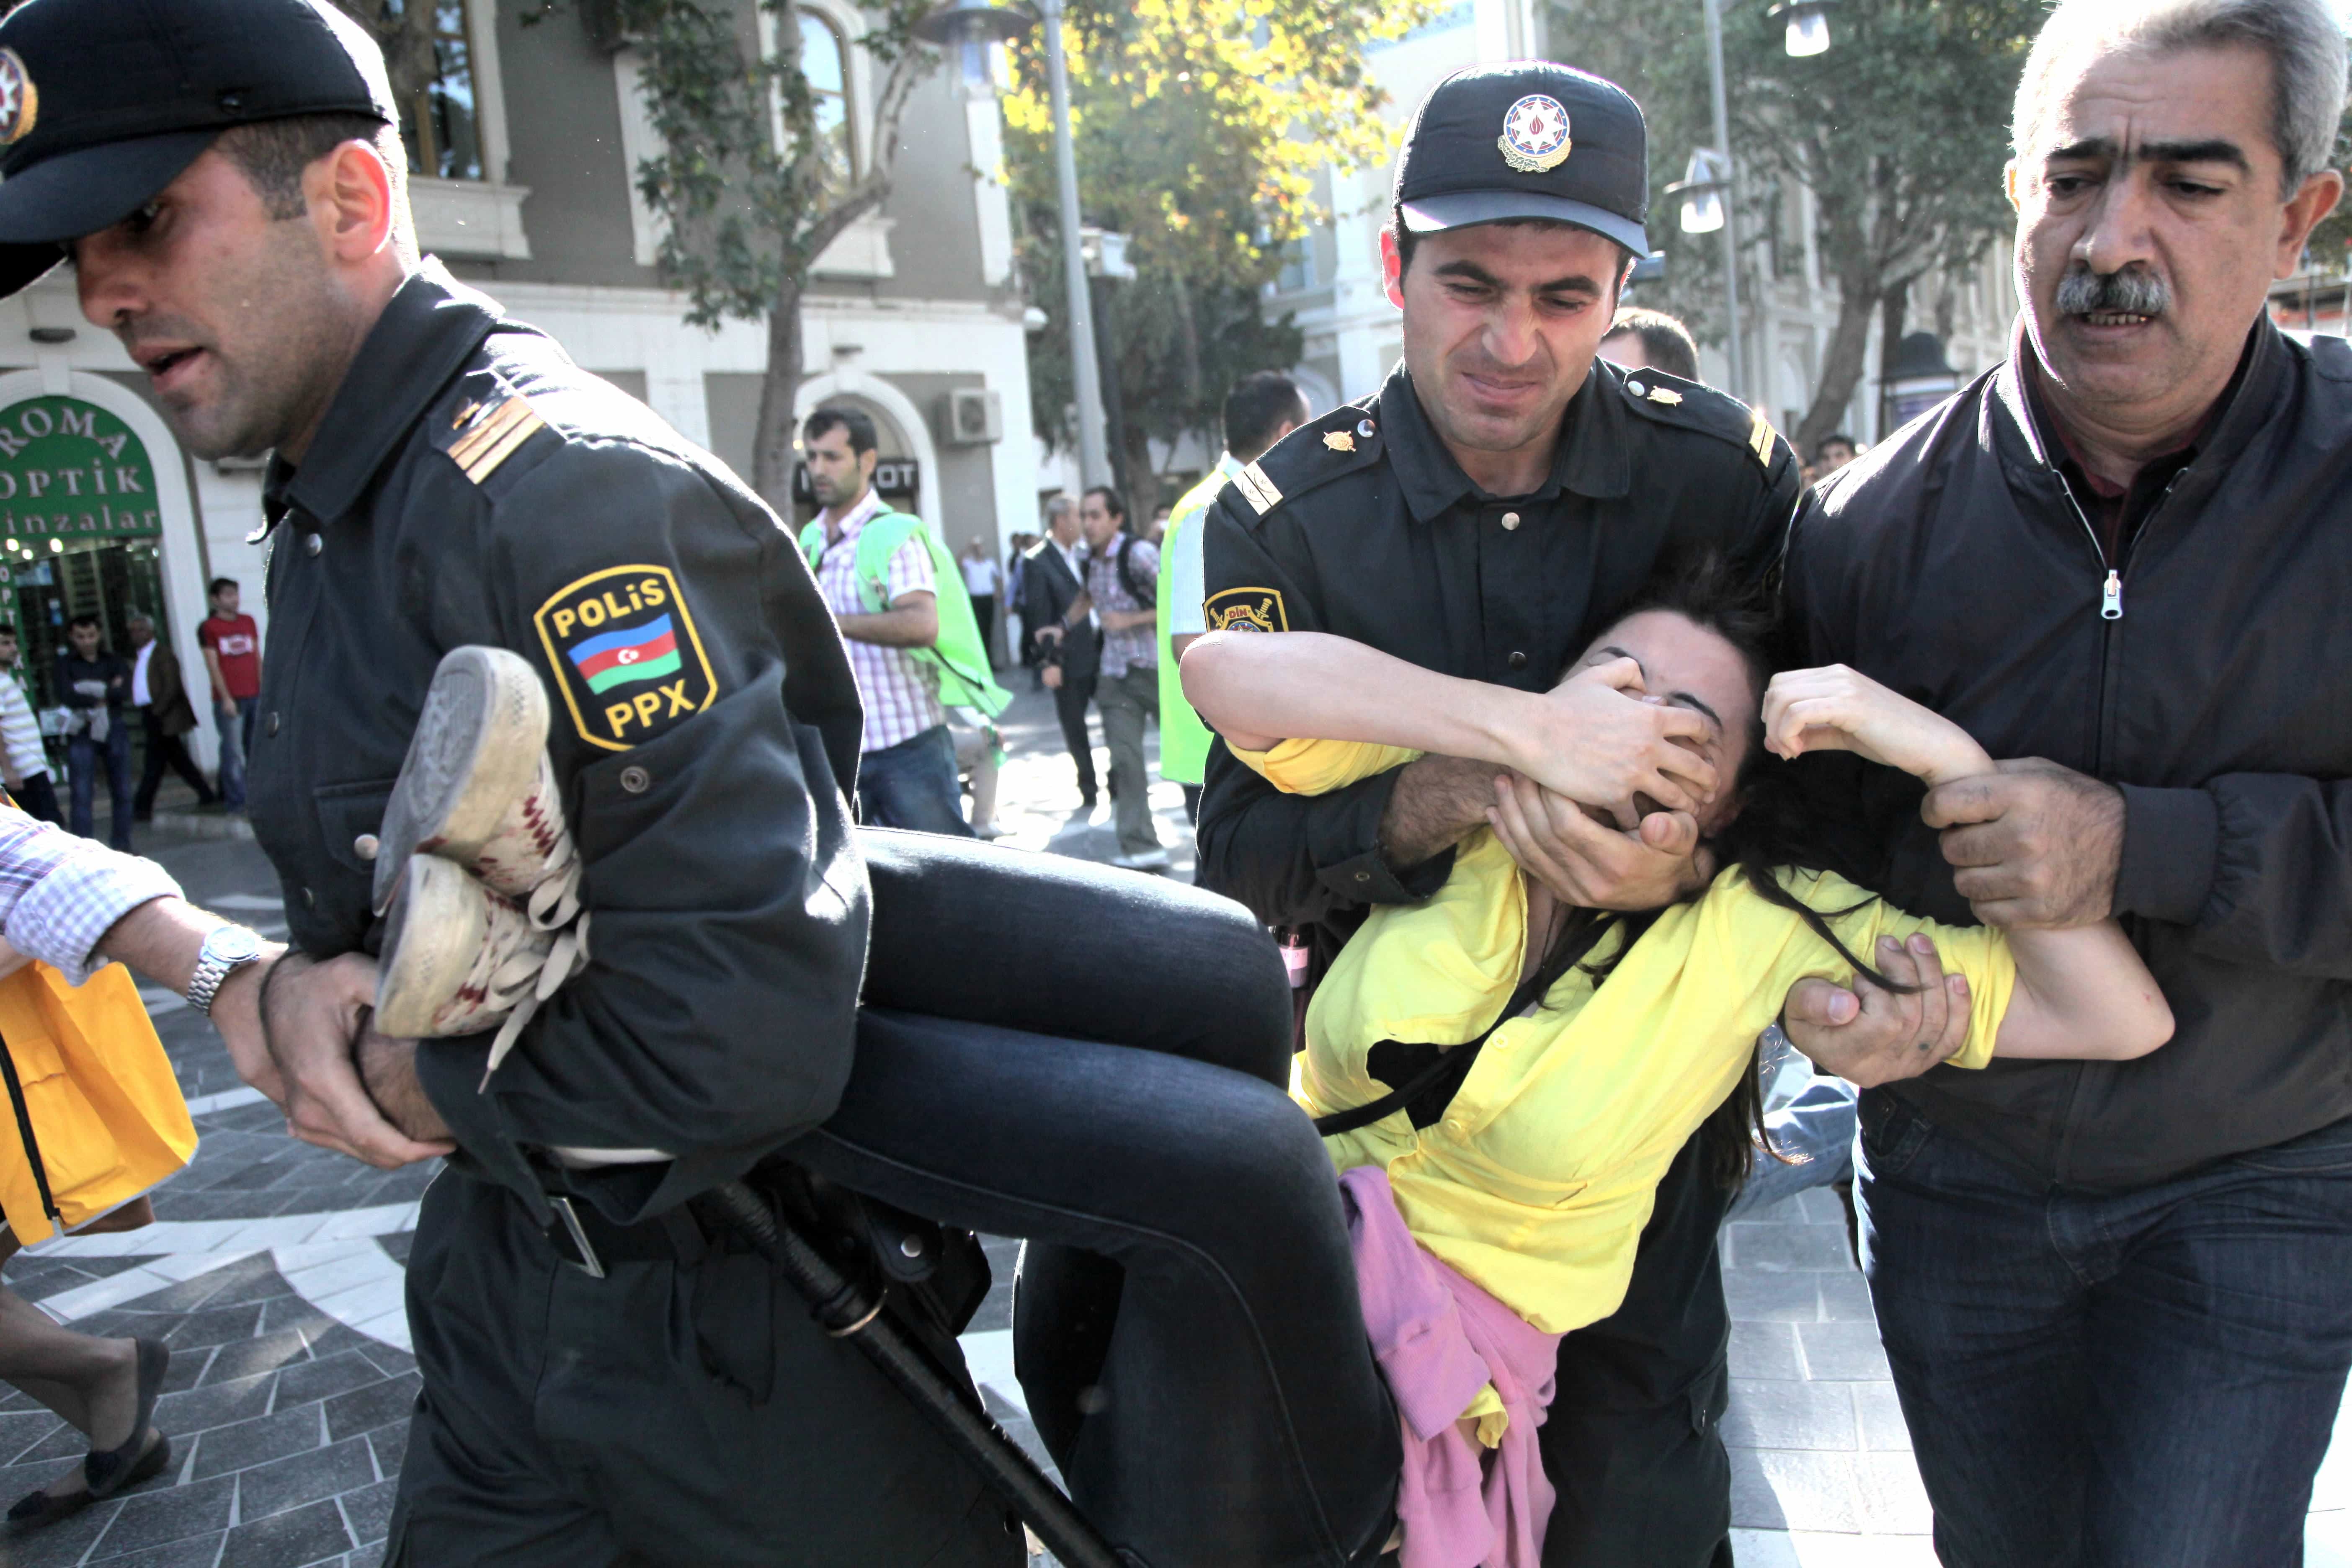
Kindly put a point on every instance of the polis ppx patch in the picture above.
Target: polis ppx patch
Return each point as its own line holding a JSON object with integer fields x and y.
{"x": 624, "y": 648}
{"x": 1246, "y": 610}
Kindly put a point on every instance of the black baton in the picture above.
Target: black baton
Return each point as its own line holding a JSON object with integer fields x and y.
{"x": 841, "y": 1309}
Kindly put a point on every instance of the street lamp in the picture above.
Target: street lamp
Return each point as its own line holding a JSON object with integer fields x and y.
{"x": 1710, "y": 188}
{"x": 965, "y": 28}
{"x": 1808, "y": 26}
{"x": 1706, "y": 180}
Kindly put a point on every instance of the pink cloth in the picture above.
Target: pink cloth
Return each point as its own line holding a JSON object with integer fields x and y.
{"x": 1439, "y": 1338}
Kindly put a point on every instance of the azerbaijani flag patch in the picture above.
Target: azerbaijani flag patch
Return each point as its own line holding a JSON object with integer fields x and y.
{"x": 623, "y": 645}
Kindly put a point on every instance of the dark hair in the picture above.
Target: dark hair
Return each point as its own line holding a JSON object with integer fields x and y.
{"x": 83, "y": 620}
{"x": 211, "y": 590}
{"x": 7, "y": 630}
{"x": 1822, "y": 444}
{"x": 855, "y": 421}
{"x": 1774, "y": 831}
{"x": 1407, "y": 241}
{"x": 273, "y": 153}
{"x": 1259, "y": 405}
{"x": 1113, "y": 502}
{"x": 1665, "y": 343}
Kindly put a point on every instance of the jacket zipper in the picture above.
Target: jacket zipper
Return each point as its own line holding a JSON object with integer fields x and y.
{"x": 2111, "y": 609}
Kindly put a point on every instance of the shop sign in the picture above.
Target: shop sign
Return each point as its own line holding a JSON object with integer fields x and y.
{"x": 70, "y": 469}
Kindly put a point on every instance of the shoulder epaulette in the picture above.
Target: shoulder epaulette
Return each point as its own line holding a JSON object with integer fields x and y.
{"x": 486, "y": 428}
{"x": 1338, "y": 443}
{"x": 1671, "y": 400}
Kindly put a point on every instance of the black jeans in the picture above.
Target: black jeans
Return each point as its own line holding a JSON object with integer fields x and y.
{"x": 1186, "y": 1323}
{"x": 166, "y": 750}
{"x": 1070, "y": 699}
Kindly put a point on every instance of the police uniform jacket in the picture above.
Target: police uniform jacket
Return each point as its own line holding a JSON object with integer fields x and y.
{"x": 1362, "y": 525}
{"x": 471, "y": 485}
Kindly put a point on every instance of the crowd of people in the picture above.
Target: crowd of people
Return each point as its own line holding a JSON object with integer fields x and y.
{"x": 1565, "y": 749}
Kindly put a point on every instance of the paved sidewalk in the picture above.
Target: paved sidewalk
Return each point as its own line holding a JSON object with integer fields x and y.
{"x": 274, "y": 1274}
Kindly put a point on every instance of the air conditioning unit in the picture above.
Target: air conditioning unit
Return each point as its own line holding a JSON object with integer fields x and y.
{"x": 972, "y": 416}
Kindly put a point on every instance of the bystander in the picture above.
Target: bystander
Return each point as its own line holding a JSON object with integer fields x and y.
{"x": 913, "y": 646}
{"x": 24, "y": 758}
{"x": 1643, "y": 339}
{"x": 1069, "y": 646}
{"x": 232, "y": 646}
{"x": 982, "y": 579}
{"x": 1260, "y": 410}
{"x": 164, "y": 714}
{"x": 94, "y": 684}
{"x": 1120, "y": 572}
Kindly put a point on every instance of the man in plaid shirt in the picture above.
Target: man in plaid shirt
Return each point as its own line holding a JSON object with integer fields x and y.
{"x": 1122, "y": 577}
{"x": 907, "y": 774}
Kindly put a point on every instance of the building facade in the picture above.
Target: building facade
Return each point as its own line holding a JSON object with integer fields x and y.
{"x": 522, "y": 158}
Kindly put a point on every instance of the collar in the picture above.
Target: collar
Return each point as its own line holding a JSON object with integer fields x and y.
{"x": 2254, "y": 397}
{"x": 859, "y": 516}
{"x": 428, "y": 330}
{"x": 1591, "y": 459}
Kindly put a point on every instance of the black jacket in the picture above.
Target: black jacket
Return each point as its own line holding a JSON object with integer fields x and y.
{"x": 1361, "y": 523}
{"x": 1048, "y": 588}
{"x": 471, "y": 485}
{"x": 1951, "y": 564}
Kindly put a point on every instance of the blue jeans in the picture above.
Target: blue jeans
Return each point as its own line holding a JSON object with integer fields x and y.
{"x": 235, "y": 723}
{"x": 2133, "y": 1380}
{"x": 1814, "y": 1136}
{"x": 83, "y": 758}
{"x": 913, "y": 786}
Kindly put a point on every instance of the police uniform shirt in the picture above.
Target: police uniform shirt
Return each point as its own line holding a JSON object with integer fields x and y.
{"x": 1362, "y": 525}
{"x": 471, "y": 485}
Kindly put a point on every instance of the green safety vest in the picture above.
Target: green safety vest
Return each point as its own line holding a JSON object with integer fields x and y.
{"x": 1183, "y": 739}
{"x": 959, "y": 658}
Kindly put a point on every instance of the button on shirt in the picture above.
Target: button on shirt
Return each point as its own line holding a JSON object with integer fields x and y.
{"x": 901, "y": 692}
{"x": 1132, "y": 647}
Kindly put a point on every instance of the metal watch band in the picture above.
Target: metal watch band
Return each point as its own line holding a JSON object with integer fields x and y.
{"x": 213, "y": 968}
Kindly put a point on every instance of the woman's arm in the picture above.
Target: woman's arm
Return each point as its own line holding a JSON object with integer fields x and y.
{"x": 1590, "y": 739}
{"x": 2081, "y": 994}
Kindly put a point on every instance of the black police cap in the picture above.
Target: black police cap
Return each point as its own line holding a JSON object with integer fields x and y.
{"x": 105, "y": 102}
{"x": 1526, "y": 140}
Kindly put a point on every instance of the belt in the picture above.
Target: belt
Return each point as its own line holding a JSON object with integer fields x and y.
{"x": 589, "y": 1242}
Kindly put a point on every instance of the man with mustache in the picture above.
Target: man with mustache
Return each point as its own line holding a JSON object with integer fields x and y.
{"x": 1497, "y": 503}
{"x": 2113, "y": 1294}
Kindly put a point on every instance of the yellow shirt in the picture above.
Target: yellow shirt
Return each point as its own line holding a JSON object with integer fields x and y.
{"x": 1538, "y": 1179}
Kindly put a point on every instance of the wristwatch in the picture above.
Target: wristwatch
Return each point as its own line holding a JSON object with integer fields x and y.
{"x": 227, "y": 950}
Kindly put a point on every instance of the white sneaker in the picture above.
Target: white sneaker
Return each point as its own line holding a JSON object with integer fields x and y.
{"x": 458, "y": 959}
{"x": 477, "y": 789}
{"x": 476, "y": 870}
{"x": 1149, "y": 860}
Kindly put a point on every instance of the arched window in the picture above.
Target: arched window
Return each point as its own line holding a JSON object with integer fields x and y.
{"x": 826, "y": 62}
{"x": 437, "y": 115}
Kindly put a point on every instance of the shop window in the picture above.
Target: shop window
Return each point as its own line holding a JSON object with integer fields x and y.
{"x": 440, "y": 119}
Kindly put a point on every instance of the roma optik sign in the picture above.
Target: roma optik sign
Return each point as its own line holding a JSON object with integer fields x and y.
{"x": 70, "y": 470}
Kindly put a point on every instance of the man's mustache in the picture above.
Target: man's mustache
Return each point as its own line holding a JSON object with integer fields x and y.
{"x": 2130, "y": 293}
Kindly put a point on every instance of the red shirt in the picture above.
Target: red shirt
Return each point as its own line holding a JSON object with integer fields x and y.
{"x": 236, "y": 642}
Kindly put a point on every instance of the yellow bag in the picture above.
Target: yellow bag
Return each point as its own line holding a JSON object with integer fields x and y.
{"x": 98, "y": 1115}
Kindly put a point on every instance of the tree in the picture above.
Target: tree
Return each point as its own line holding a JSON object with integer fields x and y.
{"x": 1900, "y": 131}
{"x": 1201, "y": 126}
{"x": 748, "y": 187}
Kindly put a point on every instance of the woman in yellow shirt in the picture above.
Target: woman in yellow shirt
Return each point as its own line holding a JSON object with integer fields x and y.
{"x": 1530, "y": 1166}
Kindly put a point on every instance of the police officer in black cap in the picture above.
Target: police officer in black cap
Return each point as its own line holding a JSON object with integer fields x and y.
{"x": 228, "y": 178}
{"x": 1499, "y": 501}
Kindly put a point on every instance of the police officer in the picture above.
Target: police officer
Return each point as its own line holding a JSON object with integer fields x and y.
{"x": 228, "y": 178}
{"x": 1499, "y": 501}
